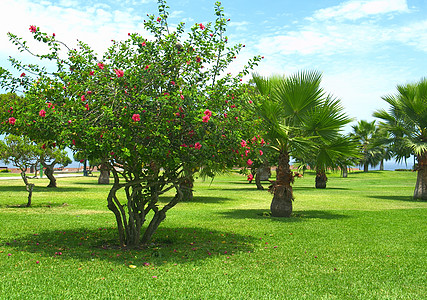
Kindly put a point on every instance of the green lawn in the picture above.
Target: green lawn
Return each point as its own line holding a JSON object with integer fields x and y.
{"x": 363, "y": 237}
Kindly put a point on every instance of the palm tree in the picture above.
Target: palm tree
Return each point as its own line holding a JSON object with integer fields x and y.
{"x": 406, "y": 121}
{"x": 331, "y": 149}
{"x": 366, "y": 133}
{"x": 286, "y": 105}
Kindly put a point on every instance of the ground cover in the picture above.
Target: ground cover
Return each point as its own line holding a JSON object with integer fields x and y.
{"x": 361, "y": 238}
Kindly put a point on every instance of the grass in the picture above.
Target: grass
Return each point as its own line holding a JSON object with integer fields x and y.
{"x": 361, "y": 238}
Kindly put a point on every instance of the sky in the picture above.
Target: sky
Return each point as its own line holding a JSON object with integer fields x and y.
{"x": 364, "y": 48}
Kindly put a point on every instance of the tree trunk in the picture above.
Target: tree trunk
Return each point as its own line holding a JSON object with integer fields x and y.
{"x": 104, "y": 174}
{"x": 382, "y": 165}
{"x": 262, "y": 173}
{"x": 30, "y": 188}
{"x": 365, "y": 168}
{"x": 49, "y": 174}
{"x": 345, "y": 172}
{"x": 187, "y": 189}
{"x": 421, "y": 185}
{"x": 321, "y": 179}
{"x": 281, "y": 205}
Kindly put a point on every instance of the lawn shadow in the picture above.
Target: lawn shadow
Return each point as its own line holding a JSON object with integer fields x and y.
{"x": 296, "y": 188}
{"x": 397, "y": 198}
{"x": 203, "y": 199}
{"x": 176, "y": 245}
{"x": 297, "y": 216}
{"x": 39, "y": 188}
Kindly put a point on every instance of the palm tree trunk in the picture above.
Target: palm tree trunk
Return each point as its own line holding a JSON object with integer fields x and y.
{"x": 365, "y": 167}
{"x": 321, "y": 179}
{"x": 281, "y": 205}
{"x": 421, "y": 185}
{"x": 382, "y": 165}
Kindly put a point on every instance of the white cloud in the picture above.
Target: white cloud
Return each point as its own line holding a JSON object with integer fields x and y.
{"x": 357, "y": 9}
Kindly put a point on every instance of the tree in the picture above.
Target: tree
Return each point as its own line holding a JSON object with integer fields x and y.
{"x": 366, "y": 133}
{"x": 22, "y": 153}
{"x": 331, "y": 149}
{"x": 48, "y": 158}
{"x": 158, "y": 109}
{"x": 286, "y": 105}
{"x": 406, "y": 122}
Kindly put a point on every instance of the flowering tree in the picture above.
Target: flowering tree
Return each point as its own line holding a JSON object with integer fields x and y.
{"x": 154, "y": 110}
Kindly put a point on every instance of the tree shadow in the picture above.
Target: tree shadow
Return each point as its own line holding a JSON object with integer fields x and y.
{"x": 38, "y": 188}
{"x": 179, "y": 245}
{"x": 296, "y": 188}
{"x": 397, "y": 198}
{"x": 297, "y": 216}
{"x": 203, "y": 199}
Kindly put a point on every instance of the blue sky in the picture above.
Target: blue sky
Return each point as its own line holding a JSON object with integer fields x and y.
{"x": 363, "y": 48}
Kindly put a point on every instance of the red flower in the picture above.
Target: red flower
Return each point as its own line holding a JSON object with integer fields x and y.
{"x": 33, "y": 28}
{"x": 101, "y": 65}
{"x": 247, "y": 152}
{"x": 173, "y": 82}
{"x": 91, "y": 73}
{"x": 69, "y": 121}
{"x": 136, "y": 118}
{"x": 201, "y": 26}
{"x": 197, "y": 146}
{"x": 89, "y": 92}
{"x": 44, "y": 146}
{"x": 250, "y": 177}
{"x": 42, "y": 113}
{"x": 225, "y": 115}
{"x": 182, "y": 97}
{"x": 87, "y": 106}
{"x": 243, "y": 143}
{"x": 249, "y": 162}
{"x": 208, "y": 113}
{"x": 53, "y": 34}
{"x": 159, "y": 19}
{"x": 198, "y": 59}
{"x": 147, "y": 66}
{"x": 74, "y": 142}
{"x": 83, "y": 98}
{"x": 23, "y": 74}
{"x": 143, "y": 44}
{"x": 260, "y": 152}
{"x": 119, "y": 72}
{"x": 12, "y": 121}
{"x": 205, "y": 118}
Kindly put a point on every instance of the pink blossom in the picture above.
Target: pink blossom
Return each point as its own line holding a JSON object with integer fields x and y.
{"x": 69, "y": 121}
{"x": 201, "y": 26}
{"x": 197, "y": 146}
{"x": 249, "y": 162}
{"x": 198, "y": 59}
{"x": 119, "y": 72}
{"x": 147, "y": 66}
{"x": 83, "y": 98}
{"x": 89, "y": 92}
{"x": 159, "y": 19}
{"x": 250, "y": 101}
{"x": 143, "y": 44}
{"x": 250, "y": 177}
{"x": 247, "y": 152}
{"x": 173, "y": 82}
{"x": 42, "y": 113}
{"x": 260, "y": 152}
{"x": 87, "y": 106}
{"x": 101, "y": 65}
{"x": 12, "y": 121}
{"x": 44, "y": 146}
{"x": 225, "y": 115}
{"x": 205, "y": 118}
{"x": 182, "y": 96}
{"x": 243, "y": 143}
{"x": 74, "y": 142}
{"x": 23, "y": 74}
{"x": 208, "y": 113}
{"x": 91, "y": 73}
{"x": 136, "y": 118}
{"x": 233, "y": 106}
{"x": 262, "y": 141}
{"x": 33, "y": 28}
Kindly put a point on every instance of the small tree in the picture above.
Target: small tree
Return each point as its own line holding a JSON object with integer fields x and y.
{"x": 159, "y": 109}
{"x": 48, "y": 157}
{"x": 22, "y": 153}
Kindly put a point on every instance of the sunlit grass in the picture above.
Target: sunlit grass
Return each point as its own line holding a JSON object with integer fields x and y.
{"x": 361, "y": 238}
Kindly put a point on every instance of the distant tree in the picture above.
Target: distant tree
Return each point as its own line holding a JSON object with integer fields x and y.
{"x": 371, "y": 152}
{"x": 22, "y": 153}
{"x": 406, "y": 122}
{"x": 48, "y": 157}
